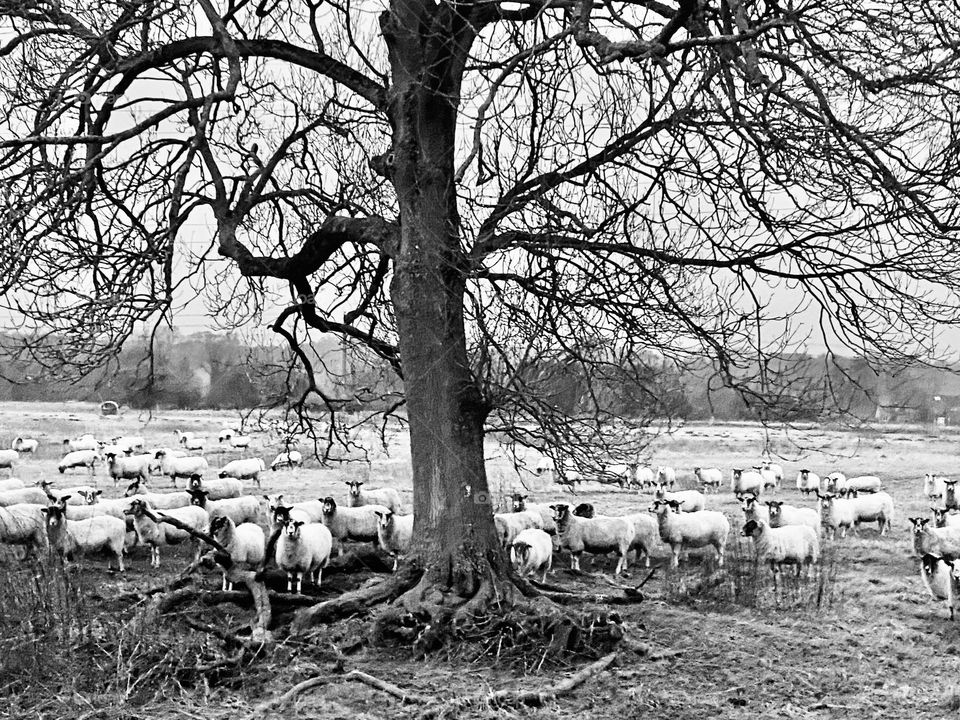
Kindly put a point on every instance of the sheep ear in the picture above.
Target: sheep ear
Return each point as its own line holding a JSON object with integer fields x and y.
{"x": 45, "y": 510}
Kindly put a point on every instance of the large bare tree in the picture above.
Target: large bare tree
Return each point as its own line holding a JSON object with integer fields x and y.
{"x": 488, "y": 195}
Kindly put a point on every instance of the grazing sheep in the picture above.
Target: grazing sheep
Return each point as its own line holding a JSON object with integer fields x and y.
{"x": 84, "y": 442}
{"x": 944, "y": 541}
{"x": 291, "y": 459}
{"x": 387, "y": 497}
{"x": 8, "y": 458}
{"x": 243, "y": 509}
{"x": 532, "y": 552}
{"x": 77, "y": 537}
{"x": 682, "y": 531}
{"x": 790, "y": 545}
{"x": 566, "y": 475}
{"x": 709, "y": 478}
{"x": 863, "y": 484}
{"x": 509, "y": 525}
{"x": 746, "y": 481}
{"x": 782, "y": 515}
{"x": 24, "y": 445}
{"x": 157, "y": 534}
{"x": 841, "y": 514}
{"x": 303, "y": 549}
{"x": 808, "y": 482}
{"x": 939, "y": 577}
{"x": 350, "y": 523}
{"x": 217, "y": 489}
{"x": 666, "y": 475}
{"x": 244, "y": 542}
{"x": 79, "y": 458}
{"x": 395, "y": 534}
{"x": 690, "y": 500}
{"x": 246, "y": 469}
{"x": 644, "y": 478}
{"x": 942, "y": 517}
{"x": 934, "y": 486}
{"x": 520, "y": 504}
{"x": 22, "y": 496}
{"x": 128, "y": 468}
{"x": 183, "y": 467}
{"x": 23, "y": 524}
{"x": 598, "y": 535}
{"x": 11, "y": 484}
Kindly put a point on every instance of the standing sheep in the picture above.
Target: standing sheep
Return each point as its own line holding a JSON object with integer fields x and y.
{"x": 944, "y": 541}
{"x": 644, "y": 478}
{"x": 841, "y": 514}
{"x": 942, "y": 517}
{"x": 666, "y": 475}
{"x": 807, "y": 482}
{"x": 520, "y": 504}
{"x": 791, "y": 545}
{"x": 782, "y": 515}
{"x": 950, "y": 495}
{"x": 290, "y": 459}
{"x": 934, "y": 486}
{"x": 218, "y": 488}
{"x": 245, "y": 469}
{"x": 128, "y": 468}
{"x": 71, "y": 538}
{"x": 245, "y": 543}
{"x": 746, "y": 481}
{"x": 690, "y": 530}
{"x": 709, "y": 478}
{"x": 303, "y": 549}
{"x": 387, "y": 497}
{"x": 598, "y": 535}
{"x": 531, "y": 552}
{"x": 24, "y": 445}
{"x": 347, "y": 523}
{"x": 23, "y": 524}
{"x": 156, "y": 534}
{"x": 509, "y": 525}
{"x": 394, "y": 533}
{"x": 79, "y": 458}
{"x": 243, "y": 509}
{"x": 940, "y": 578}
{"x": 182, "y": 467}
{"x": 8, "y": 458}
{"x": 21, "y": 496}
{"x": 690, "y": 500}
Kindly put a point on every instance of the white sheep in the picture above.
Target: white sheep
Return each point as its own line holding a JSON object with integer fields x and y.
{"x": 115, "y": 507}
{"x": 840, "y": 514}
{"x": 71, "y": 538}
{"x": 387, "y": 497}
{"x": 597, "y": 535}
{"x": 753, "y": 509}
{"x": 789, "y": 545}
{"x": 782, "y": 515}
{"x": 836, "y": 482}
{"x": 245, "y": 469}
{"x": 770, "y": 479}
{"x": 191, "y": 441}
{"x": 863, "y": 484}
{"x": 532, "y": 552}
{"x": 23, "y": 524}
{"x": 240, "y": 442}
{"x": 934, "y": 486}
{"x": 139, "y": 490}
{"x": 79, "y": 458}
{"x": 182, "y": 467}
{"x": 243, "y": 509}
{"x": 644, "y": 478}
{"x": 690, "y": 500}
{"x": 709, "y": 478}
{"x": 350, "y": 523}
{"x": 226, "y": 434}
{"x": 8, "y": 458}
{"x": 11, "y": 484}
{"x": 519, "y": 504}
{"x": 84, "y": 442}
{"x": 244, "y": 542}
{"x": 290, "y": 459}
{"x": 509, "y": 525}
{"x": 944, "y": 541}
{"x": 682, "y": 531}
{"x": 217, "y": 488}
{"x": 568, "y": 475}
{"x": 807, "y": 482}
{"x": 746, "y": 481}
{"x": 666, "y": 475}
{"x": 646, "y": 535}
{"x": 773, "y": 470}
{"x": 75, "y": 495}
{"x": 24, "y": 445}
{"x": 303, "y": 549}
{"x": 621, "y": 473}
{"x": 942, "y": 517}
{"x": 395, "y": 534}
{"x": 940, "y": 578}
{"x": 21, "y": 496}
{"x": 128, "y": 467}
{"x": 157, "y": 534}
{"x": 127, "y": 444}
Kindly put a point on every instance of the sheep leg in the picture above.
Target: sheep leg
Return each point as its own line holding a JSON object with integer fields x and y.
{"x": 290, "y": 581}
{"x": 317, "y": 576}
{"x": 155, "y": 556}
{"x": 120, "y": 560}
{"x": 621, "y": 559}
{"x": 396, "y": 560}
{"x": 719, "y": 555}
{"x": 675, "y": 556}
{"x": 575, "y": 561}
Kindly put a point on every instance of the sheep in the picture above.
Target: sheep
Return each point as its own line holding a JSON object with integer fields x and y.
{"x": 11, "y": 484}
{"x": 646, "y": 534}
{"x": 226, "y": 434}
{"x": 138, "y": 490}
{"x": 245, "y": 543}
{"x": 76, "y": 494}
{"x": 746, "y": 481}
{"x": 754, "y": 510}
{"x": 128, "y": 468}
{"x": 934, "y": 486}
{"x": 599, "y": 534}
{"x": 244, "y": 509}
{"x": 532, "y": 551}
{"x": 942, "y": 517}
{"x": 622, "y": 473}
{"x": 128, "y": 443}
{"x": 394, "y": 533}
{"x": 279, "y": 514}
{"x": 21, "y": 496}
{"x": 943, "y": 541}
{"x": 940, "y": 578}
{"x": 509, "y": 525}
{"x": 789, "y": 545}
{"x": 240, "y": 442}
{"x": 644, "y": 478}
{"x": 79, "y": 458}
{"x": 863, "y": 484}
{"x": 836, "y": 482}
{"x": 84, "y": 442}
{"x": 387, "y": 497}
{"x": 690, "y": 530}
{"x": 690, "y": 500}
{"x": 190, "y": 441}
{"x": 156, "y": 534}
{"x": 23, "y": 524}
{"x": 8, "y": 458}
{"x": 950, "y": 495}
{"x": 841, "y": 514}
{"x": 770, "y": 479}
{"x": 807, "y": 482}
{"x": 350, "y": 523}
{"x": 24, "y": 445}
{"x": 709, "y": 478}
{"x": 520, "y": 504}
{"x": 217, "y": 489}
{"x": 666, "y": 475}
{"x": 95, "y": 507}
{"x": 246, "y": 469}
{"x": 78, "y": 537}
{"x": 782, "y": 515}
{"x": 585, "y": 510}
{"x": 174, "y": 467}
{"x": 303, "y": 549}
{"x": 568, "y": 475}
{"x": 774, "y": 470}
{"x": 290, "y": 458}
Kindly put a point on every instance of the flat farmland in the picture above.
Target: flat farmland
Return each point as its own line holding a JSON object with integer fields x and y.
{"x": 860, "y": 638}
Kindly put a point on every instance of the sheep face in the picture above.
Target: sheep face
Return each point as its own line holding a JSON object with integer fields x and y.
{"x": 517, "y": 502}
{"x": 195, "y": 482}
{"x": 751, "y": 529}
{"x": 198, "y": 497}
{"x": 561, "y": 516}
{"x": 292, "y": 529}
{"x": 91, "y": 496}
{"x": 584, "y": 510}
{"x": 776, "y": 509}
{"x": 521, "y": 551}
{"x": 218, "y": 526}
{"x": 329, "y": 506}
{"x": 354, "y": 486}
{"x": 137, "y": 508}
{"x": 54, "y": 516}
{"x": 929, "y": 563}
{"x": 737, "y": 473}
{"x": 133, "y": 488}
{"x": 158, "y": 455}
{"x": 940, "y": 516}
{"x": 919, "y": 524}
{"x": 280, "y": 515}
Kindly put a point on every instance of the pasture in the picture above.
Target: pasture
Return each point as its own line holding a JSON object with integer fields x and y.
{"x": 861, "y": 638}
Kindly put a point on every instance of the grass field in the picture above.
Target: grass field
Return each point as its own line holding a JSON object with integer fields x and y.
{"x": 860, "y": 639}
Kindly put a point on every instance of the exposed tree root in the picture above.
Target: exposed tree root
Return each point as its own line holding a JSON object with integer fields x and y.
{"x": 297, "y": 690}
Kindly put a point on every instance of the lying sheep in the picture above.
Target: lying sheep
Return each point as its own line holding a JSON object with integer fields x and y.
{"x": 709, "y": 478}
{"x": 940, "y": 578}
{"x": 25, "y": 445}
{"x": 240, "y": 442}
{"x": 71, "y": 538}
{"x": 790, "y": 545}
{"x": 782, "y": 515}
{"x": 808, "y": 482}
{"x": 520, "y": 504}
{"x": 84, "y": 442}
{"x": 190, "y": 440}
{"x": 944, "y": 541}
{"x": 245, "y": 469}
{"x": 128, "y": 468}
{"x": 23, "y": 524}
{"x": 303, "y": 549}
{"x": 394, "y": 533}
{"x": 22, "y": 496}
{"x": 218, "y": 488}
{"x": 666, "y": 475}
{"x": 245, "y": 543}
{"x": 79, "y": 458}
{"x": 746, "y": 481}
{"x": 532, "y": 552}
{"x": 183, "y": 467}
{"x": 290, "y": 459}
{"x": 840, "y": 514}
{"x": 682, "y": 531}
{"x": 597, "y": 535}
{"x": 934, "y": 486}
{"x": 387, "y": 497}
{"x": 11, "y": 484}
{"x": 157, "y": 534}
{"x": 942, "y": 517}
{"x": 690, "y": 500}
{"x": 243, "y": 509}
{"x": 349, "y": 523}
{"x": 226, "y": 434}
